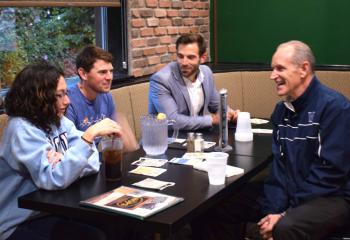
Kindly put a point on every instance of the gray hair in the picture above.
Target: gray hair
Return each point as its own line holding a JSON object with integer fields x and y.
{"x": 302, "y": 52}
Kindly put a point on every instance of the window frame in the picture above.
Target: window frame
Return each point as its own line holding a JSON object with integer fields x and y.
{"x": 61, "y": 3}
{"x": 110, "y": 22}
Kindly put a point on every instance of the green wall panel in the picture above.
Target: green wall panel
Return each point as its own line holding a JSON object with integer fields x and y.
{"x": 249, "y": 30}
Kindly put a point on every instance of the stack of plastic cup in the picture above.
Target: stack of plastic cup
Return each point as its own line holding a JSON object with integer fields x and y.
{"x": 244, "y": 128}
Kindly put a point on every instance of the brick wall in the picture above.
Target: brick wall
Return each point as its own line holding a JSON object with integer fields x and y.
{"x": 154, "y": 26}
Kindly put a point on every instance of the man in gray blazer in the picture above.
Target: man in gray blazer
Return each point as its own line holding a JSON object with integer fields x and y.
{"x": 184, "y": 90}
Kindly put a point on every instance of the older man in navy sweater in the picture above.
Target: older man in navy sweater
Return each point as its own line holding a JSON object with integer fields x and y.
{"x": 307, "y": 193}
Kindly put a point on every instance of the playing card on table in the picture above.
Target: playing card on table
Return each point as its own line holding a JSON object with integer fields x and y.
{"x": 148, "y": 171}
{"x": 153, "y": 184}
{"x": 150, "y": 162}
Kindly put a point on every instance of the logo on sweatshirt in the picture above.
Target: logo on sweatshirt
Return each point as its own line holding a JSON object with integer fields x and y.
{"x": 311, "y": 116}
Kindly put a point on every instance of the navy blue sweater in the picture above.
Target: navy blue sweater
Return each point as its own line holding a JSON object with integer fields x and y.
{"x": 311, "y": 149}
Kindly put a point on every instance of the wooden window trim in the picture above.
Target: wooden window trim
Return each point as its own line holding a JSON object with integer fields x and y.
{"x": 61, "y": 3}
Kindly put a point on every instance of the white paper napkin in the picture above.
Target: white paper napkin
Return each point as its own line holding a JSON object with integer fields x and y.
{"x": 258, "y": 121}
{"x": 230, "y": 170}
{"x": 262, "y": 131}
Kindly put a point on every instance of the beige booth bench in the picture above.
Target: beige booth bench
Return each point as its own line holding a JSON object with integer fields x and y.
{"x": 251, "y": 91}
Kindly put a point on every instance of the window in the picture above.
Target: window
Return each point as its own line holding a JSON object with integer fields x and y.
{"x": 56, "y": 34}
{"x": 52, "y": 34}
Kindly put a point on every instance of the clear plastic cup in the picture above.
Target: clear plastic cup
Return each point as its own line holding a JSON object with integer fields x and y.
{"x": 216, "y": 164}
{"x": 112, "y": 154}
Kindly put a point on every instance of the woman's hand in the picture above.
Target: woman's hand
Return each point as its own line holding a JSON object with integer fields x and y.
{"x": 54, "y": 157}
{"x": 102, "y": 128}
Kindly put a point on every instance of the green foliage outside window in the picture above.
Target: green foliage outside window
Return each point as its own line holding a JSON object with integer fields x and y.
{"x": 53, "y": 34}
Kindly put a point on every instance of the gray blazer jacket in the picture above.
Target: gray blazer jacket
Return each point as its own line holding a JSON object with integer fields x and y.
{"x": 168, "y": 94}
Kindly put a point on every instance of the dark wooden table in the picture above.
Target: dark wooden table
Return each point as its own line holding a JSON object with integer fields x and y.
{"x": 191, "y": 184}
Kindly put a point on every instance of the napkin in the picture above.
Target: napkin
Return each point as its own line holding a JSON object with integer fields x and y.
{"x": 258, "y": 121}
{"x": 230, "y": 170}
{"x": 262, "y": 130}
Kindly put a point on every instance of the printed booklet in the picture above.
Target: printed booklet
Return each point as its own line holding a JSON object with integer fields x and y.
{"x": 132, "y": 201}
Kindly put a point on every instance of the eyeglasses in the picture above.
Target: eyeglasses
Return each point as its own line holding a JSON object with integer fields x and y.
{"x": 61, "y": 94}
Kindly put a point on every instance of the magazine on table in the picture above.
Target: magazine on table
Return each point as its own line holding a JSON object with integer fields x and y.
{"x": 132, "y": 201}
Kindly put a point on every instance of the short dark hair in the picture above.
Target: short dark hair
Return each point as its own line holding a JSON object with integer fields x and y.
{"x": 33, "y": 95}
{"x": 89, "y": 55}
{"x": 192, "y": 38}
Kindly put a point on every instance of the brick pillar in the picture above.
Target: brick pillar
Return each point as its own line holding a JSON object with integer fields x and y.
{"x": 154, "y": 26}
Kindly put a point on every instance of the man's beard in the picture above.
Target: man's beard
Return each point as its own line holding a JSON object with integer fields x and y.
{"x": 189, "y": 72}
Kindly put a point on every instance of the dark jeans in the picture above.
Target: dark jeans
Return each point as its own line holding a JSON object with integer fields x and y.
{"x": 56, "y": 228}
{"x": 52, "y": 228}
{"x": 313, "y": 220}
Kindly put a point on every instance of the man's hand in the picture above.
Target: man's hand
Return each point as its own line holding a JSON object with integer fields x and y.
{"x": 215, "y": 118}
{"x": 232, "y": 114}
{"x": 267, "y": 224}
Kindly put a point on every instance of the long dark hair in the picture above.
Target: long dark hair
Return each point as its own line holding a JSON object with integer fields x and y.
{"x": 33, "y": 95}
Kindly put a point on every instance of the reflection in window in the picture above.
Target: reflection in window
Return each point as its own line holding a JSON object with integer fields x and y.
{"x": 32, "y": 34}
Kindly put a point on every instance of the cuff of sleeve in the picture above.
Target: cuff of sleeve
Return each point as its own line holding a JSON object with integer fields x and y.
{"x": 208, "y": 120}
